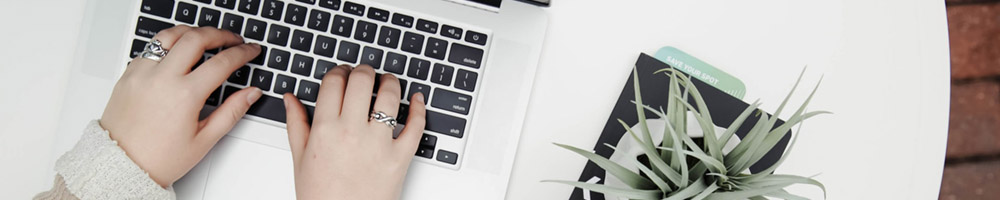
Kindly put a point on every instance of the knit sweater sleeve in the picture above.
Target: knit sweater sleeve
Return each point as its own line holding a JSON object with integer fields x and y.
{"x": 97, "y": 168}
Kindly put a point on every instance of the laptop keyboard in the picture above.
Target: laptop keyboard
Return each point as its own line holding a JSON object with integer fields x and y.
{"x": 303, "y": 39}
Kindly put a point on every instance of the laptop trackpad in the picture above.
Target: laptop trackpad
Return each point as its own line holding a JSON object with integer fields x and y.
{"x": 241, "y": 169}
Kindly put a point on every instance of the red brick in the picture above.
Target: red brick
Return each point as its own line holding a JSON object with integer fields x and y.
{"x": 974, "y": 33}
{"x": 974, "y": 127}
{"x": 979, "y": 180}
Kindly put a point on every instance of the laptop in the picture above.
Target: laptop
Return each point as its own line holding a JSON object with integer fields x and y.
{"x": 473, "y": 59}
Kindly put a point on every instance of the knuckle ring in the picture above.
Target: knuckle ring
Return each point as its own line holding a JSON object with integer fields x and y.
{"x": 384, "y": 118}
{"x": 154, "y": 51}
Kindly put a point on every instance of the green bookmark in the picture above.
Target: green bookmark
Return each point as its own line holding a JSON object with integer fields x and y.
{"x": 702, "y": 71}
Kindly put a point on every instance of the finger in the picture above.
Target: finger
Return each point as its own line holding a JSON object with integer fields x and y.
{"x": 298, "y": 126}
{"x": 331, "y": 94}
{"x": 227, "y": 115}
{"x": 358, "y": 97}
{"x": 387, "y": 101}
{"x": 192, "y": 45}
{"x": 409, "y": 138}
{"x": 220, "y": 66}
{"x": 168, "y": 37}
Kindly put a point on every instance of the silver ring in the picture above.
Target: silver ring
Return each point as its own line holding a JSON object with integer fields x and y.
{"x": 154, "y": 51}
{"x": 384, "y": 118}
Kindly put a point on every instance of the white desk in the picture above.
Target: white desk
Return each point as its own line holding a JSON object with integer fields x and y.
{"x": 886, "y": 67}
{"x": 885, "y": 62}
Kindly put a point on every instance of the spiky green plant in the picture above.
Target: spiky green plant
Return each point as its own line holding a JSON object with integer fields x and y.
{"x": 714, "y": 174}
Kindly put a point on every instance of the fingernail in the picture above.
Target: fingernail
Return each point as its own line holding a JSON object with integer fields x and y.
{"x": 254, "y": 95}
{"x": 419, "y": 96}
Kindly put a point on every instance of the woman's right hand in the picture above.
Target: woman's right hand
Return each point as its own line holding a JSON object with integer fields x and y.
{"x": 344, "y": 155}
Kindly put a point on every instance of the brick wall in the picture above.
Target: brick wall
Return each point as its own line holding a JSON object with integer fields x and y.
{"x": 972, "y": 165}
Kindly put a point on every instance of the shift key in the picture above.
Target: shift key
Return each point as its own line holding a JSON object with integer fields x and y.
{"x": 445, "y": 124}
{"x": 451, "y": 101}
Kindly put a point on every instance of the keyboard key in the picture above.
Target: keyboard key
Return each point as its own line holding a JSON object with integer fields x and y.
{"x": 389, "y": 37}
{"x": 319, "y": 20}
{"x": 445, "y": 124}
{"x": 137, "y": 47}
{"x": 447, "y": 157}
{"x": 404, "y": 111}
{"x": 302, "y": 40}
{"x": 268, "y": 107}
{"x": 419, "y": 69}
{"x": 427, "y": 26}
{"x": 233, "y": 23}
{"x": 348, "y": 51}
{"x": 322, "y": 67}
{"x": 261, "y": 79}
{"x": 426, "y": 152}
{"x": 295, "y": 14}
{"x": 394, "y": 63}
{"x": 310, "y": 2}
{"x": 378, "y": 14}
{"x": 241, "y": 76}
{"x": 249, "y": 6}
{"x": 365, "y": 31}
{"x": 465, "y": 55}
{"x": 373, "y": 57}
{"x": 402, "y": 20}
{"x": 302, "y": 65}
{"x": 417, "y": 87}
{"x": 342, "y": 26}
{"x": 330, "y": 4}
{"x": 278, "y": 59}
{"x": 284, "y": 84}
{"x": 209, "y": 17}
{"x": 278, "y": 35}
{"x": 475, "y": 37}
{"x": 273, "y": 9}
{"x": 148, "y": 27}
{"x": 412, "y": 42}
{"x": 259, "y": 60}
{"x": 427, "y": 140}
{"x": 308, "y": 90}
{"x": 442, "y": 74}
{"x": 451, "y": 101}
{"x": 186, "y": 12}
{"x": 204, "y": 1}
{"x": 451, "y": 31}
{"x": 436, "y": 48}
{"x": 465, "y": 80}
{"x": 354, "y": 8}
{"x": 228, "y": 4}
{"x": 255, "y": 29}
{"x": 162, "y": 8}
{"x": 324, "y": 46}
{"x": 214, "y": 99}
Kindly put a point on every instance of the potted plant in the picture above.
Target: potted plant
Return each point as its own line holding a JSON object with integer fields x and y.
{"x": 674, "y": 164}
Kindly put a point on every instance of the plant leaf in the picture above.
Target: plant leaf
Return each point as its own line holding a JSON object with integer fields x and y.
{"x": 653, "y": 157}
{"x": 629, "y": 177}
{"x": 663, "y": 185}
{"x": 704, "y": 193}
{"x": 689, "y": 191}
{"x": 728, "y": 134}
{"x": 709, "y": 160}
{"x": 707, "y": 126}
{"x": 622, "y": 192}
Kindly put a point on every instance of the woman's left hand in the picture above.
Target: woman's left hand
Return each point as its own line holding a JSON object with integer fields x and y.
{"x": 153, "y": 110}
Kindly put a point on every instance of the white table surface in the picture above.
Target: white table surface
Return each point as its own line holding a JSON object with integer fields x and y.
{"x": 885, "y": 64}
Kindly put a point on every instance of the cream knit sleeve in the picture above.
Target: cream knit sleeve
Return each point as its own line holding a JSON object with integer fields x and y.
{"x": 96, "y": 168}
